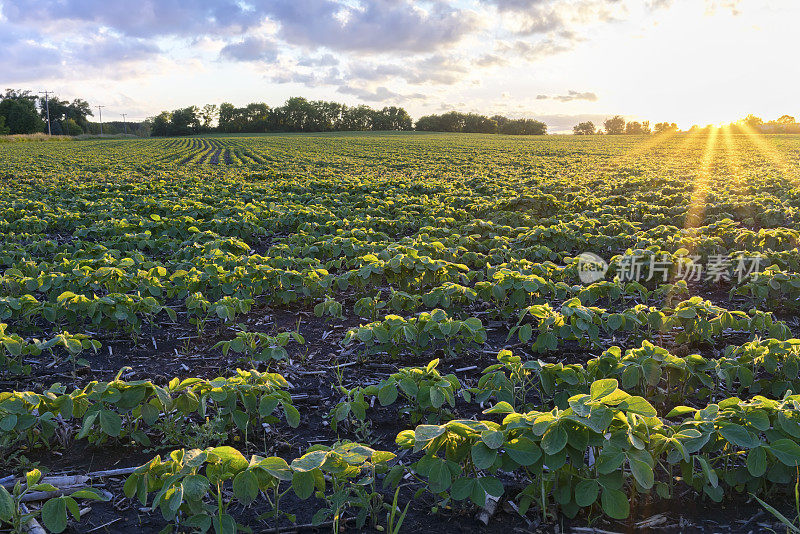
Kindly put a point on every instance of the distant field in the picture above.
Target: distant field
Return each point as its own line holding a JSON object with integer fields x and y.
{"x": 648, "y": 386}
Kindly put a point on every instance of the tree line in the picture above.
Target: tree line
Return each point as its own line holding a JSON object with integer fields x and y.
{"x": 454, "y": 121}
{"x": 22, "y": 112}
{"x": 296, "y": 115}
{"x": 301, "y": 115}
{"x": 617, "y": 125}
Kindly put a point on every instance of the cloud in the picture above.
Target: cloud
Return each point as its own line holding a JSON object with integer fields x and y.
{"x": 287, "y": 76}
{"x": 546, "y": 17}
{"x": 490, "y": 60}
{"x": 29, "y": 56}
{"x": 516, "y": 5}
{"x": 251, "y": 49}
{"x": 570, "y": 96}
{"x": 325, "y": 60}
{"x": 145, "y": 18}
{"x": 373, "y": 26}
{"x": 532, "y": 51}
{"x": 26, "y": 58}
{"x": 435, "y": 69}
{"x": 109, "y": 49}
{"x": 380, "y": 94}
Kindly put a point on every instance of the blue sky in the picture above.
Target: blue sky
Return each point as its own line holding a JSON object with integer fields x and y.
{"x": 698, "y": 61}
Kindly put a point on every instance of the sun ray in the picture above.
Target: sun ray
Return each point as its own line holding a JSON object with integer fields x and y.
{"x": 650, "y": 143}
{"x": 733, "y": 161}
{"x": 697, "y": 205}
{"x": 775, "y": 157}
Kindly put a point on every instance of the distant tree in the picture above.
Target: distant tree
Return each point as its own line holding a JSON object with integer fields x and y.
{"x": 208, "y": 115}
{"x": 428, "y": 123}
{"x": 391, "y": 118}
{"x": 584, "y": 128}
{"x": 3, "y": 129}
{"x": 160, "y": 124}
{"x": 226, "y": 113}
{"x": 752, "y": 121}
{"x": 474, "y": 123}
{"x": 62, "y": 110}
{"x": 786, "y": 119}
{"x": 615, "y": 125}
{"x": 522, "y": 127}
{"x": 664, "y": 127}
{"x": 452, "y": 121}
{"x": 184, "y": 121}
{"x": 71, "y": 127}
{"x": 636, "y": 128}
{"x": 18, "y": 109}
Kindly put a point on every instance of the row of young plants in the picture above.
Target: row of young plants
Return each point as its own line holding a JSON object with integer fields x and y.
{"x": 608, "y": 449}
{"x": 604, "y": 451}
{"x": 16, "y": 353}
{"x": 136, "y": 411}
{"x": 690, "y": 321}
{"x": 195, "y": 488}
{"x": 767, "y": 367}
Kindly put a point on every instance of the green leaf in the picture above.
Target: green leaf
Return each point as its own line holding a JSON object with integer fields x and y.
{"x": 637, "y": 405}
{"x": 739, "y": 436}
{"x": 428, "y": 432}
{"x": 111, "y": 423}
{"x": 681, "y": 410}
{"x": 482, "y": 456}
{"x": 309, "y": 461}
{"x": 245, "y": 487}
{"x": 586, "y": 492}
{"x": 501, "y": 407}
{"x": 387, "y": 394}
{"x": 642, "y": 472}
{"x": 492, "y": 438}
{"x": 194, "y": 487}
{"x": 89, "y": 493}
{"x": 615, "y": 503}
{"x": 462, "y": 488}
{"x": 439, "y": 477}
{"x": 787, "y": 451}
{"x": 292, "y": 415}
{"x": 54, "y": 515}
{"x": 492, "y": 486}
{"x": 224, "y": 524}
{"x": 757, "y": 461}
{"x": 234, "y": 458}
{"x": 554, "y": 439}
{"x": 6, "y": 505}
{"x": 602, "y": 388}
{"x": 303, "y": 484}
{"x": 523, "y": 450}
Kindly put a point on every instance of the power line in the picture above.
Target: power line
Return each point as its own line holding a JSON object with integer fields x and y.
{"x": 124, "y": 124}
{"x": 47, "y": 107}
{"x": 100, "y": 109}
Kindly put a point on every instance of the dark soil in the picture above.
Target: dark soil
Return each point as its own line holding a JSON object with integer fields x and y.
{"x": 166, "y": 350}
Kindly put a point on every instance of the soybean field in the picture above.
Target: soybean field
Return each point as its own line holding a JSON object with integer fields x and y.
{"x": 399, "y": 332}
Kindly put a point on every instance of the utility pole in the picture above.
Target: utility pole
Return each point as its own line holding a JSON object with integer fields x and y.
{"x": 124, "y": 124}
{"x": 47, "y": 108}
{"x": 100, "y": 109}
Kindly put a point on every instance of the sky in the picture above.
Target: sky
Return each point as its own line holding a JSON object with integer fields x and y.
{"x": 560, "y": 61}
